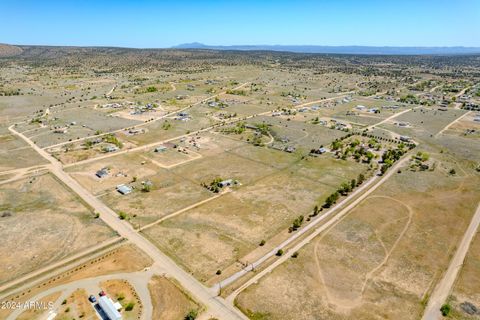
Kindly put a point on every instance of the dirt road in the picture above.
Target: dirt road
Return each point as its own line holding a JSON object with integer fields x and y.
{"x": 370, "y": 186}
{"x": 451, "y": 123}
{"x": 143, "y": 123}
{"x": 442, "y": 290}
{"x": 393, "y": 116}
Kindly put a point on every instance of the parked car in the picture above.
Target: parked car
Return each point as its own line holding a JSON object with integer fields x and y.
{"x": 92, "y": 299}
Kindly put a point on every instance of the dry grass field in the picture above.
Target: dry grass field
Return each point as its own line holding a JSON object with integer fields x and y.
{"x": 465, "y": 297}
{"x": 15, "y": 153}
{"x": 216, "y": 234}
{"x": 169, "y": 301}
{"x": 382, "y": 260}
{"x": 43, "y": 222}
{"x": 76, "y": 306}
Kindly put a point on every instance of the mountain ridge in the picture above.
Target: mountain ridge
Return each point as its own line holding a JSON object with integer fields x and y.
{"x": 372, "y": 50}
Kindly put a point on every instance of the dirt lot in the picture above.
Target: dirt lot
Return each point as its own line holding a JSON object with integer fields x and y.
{"x": 76, "y": 306}
{"x": 169, "y": 301}
{"x": 370, "y": 265}
{"x": 43, "y": 222}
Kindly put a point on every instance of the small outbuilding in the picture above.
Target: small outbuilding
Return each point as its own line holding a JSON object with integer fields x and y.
{"x": 124, "y": 189}
{"x": 102, "y": 173}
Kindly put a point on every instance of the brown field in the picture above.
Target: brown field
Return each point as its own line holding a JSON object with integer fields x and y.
{"x": 466, "y": 291}
{"x": 59, "y": 225}
{"x": 169, "y": 301}
{"x": 382, "y": 260}
{"x": 215, "y": 234}
{"x": 15, "y": 153}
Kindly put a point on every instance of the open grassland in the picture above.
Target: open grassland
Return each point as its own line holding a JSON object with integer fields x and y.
{"x": 382, "y": 260}
{"x": 15, "y": 153}
{"x": 424, "y": 122}
{"x": 43, "y": 222}
{"x": 215, "y": 234}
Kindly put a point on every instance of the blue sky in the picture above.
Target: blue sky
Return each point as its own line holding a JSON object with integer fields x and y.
{"x": 152, "y": 24}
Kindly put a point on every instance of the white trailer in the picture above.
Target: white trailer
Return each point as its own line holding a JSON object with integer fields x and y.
{"x": 109, "y": 308}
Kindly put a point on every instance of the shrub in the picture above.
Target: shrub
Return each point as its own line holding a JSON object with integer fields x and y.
{"x": 122, "y": 215}
{"x": 262, "y": 243}
{"x": 445, "y": 309}
{"x": 129, "y": 306}
{"x": 191, "y": 315}
{"x": 279, "y": 252}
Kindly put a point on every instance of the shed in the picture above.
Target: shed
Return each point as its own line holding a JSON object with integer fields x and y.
{"x": 226, "y": 183}
{"x": 102, "y": 173}
{"x": 160, "y": 149}
{"x": 124, "y": 189}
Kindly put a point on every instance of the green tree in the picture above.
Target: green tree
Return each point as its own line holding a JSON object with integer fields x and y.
{"x": 445, "y": 309}
{"x": 360, "y": 179}
{"x": 191, "y": 315}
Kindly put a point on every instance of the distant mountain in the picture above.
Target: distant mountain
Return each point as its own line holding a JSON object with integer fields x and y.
{"x": 7, "y": 50}
{"x": 340, "y": 49}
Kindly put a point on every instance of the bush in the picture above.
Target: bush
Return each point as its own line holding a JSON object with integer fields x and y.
{"x": 295, "y": 254}
{"x": 191, "y": 315}
{"x": 262, "y": 243}
{"x": 219, "y": 272}
{"x": 279, "y": 252}
{"x": 129, "y": 306}
{"x": 445, "y": 309}
{"x": 122, "y": 215}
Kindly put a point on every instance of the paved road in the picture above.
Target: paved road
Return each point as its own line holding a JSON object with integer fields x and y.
{"x": 216, "y": 305}
{"x": 340, "y": 215}
{"x": 443, "y": 288}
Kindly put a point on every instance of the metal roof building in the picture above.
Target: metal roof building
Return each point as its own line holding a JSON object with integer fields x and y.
{"x": 124, "y": 189}
{"x": 109, "y": 308}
